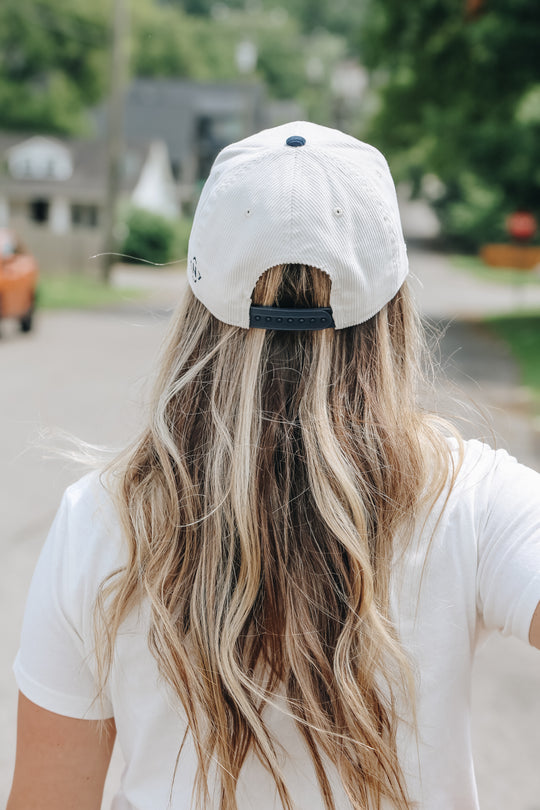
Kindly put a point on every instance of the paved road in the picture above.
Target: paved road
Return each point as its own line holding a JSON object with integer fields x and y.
{"x": 86, "y": 373}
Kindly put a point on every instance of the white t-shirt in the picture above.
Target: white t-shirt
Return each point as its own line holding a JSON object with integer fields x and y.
{"x": 482, "y": 574}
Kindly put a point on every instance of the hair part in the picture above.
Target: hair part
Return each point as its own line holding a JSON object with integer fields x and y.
{"x": 261, "y": 508}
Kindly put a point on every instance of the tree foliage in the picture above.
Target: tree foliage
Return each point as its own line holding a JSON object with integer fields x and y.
{"x": 338, "y": 17}
{"x": 460, "y": 97}
{"x": 53, "y": 62}
{"x": 167, "y": 42}
{"x": 56, "y": 52}
{"x": 149, "y": 237}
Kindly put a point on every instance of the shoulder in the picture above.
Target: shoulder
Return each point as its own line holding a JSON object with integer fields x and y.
{"x": 91, "y": 494}
{"x": 86, "y": 535}
{"x": 478, "y": 463}
{"x": 89, "y": 504}
{"x": 490, "y": 481}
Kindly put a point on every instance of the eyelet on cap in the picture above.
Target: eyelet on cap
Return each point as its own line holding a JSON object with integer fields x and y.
{"x": 295, "y": 140}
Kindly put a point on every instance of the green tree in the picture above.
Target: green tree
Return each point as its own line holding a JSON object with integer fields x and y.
{"x": 338, "y": 17}
{"x": 53, "y": 63}
{"x": 56, "y": 53}
{"x": 168, "y": 42}
{"x": 460, "y": 97}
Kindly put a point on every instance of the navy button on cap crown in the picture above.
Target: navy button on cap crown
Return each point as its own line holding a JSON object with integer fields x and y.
{"x": 295, "y": 140}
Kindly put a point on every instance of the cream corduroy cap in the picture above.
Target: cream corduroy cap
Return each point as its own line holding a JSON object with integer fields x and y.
{"x": 299, "y": 193}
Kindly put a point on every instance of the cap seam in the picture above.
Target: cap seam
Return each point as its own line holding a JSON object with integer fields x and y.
{"x": 293, "y": 196}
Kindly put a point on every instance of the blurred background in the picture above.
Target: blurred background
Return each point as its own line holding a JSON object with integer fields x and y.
{"x": 111, "y": 114}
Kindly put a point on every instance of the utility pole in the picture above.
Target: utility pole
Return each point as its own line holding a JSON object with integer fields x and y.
{"x": 118, "y": 74}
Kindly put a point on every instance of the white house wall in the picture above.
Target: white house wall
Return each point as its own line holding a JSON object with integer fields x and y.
{"x": 60, "y": 215}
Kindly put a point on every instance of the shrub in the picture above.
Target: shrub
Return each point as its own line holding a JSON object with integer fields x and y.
{"x": 149, "y": 237}
{"x": 182, "y": 230}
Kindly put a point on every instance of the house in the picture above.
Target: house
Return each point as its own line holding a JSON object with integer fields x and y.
{"x": 53, "y": 191}
{"x": 196, "y": 120}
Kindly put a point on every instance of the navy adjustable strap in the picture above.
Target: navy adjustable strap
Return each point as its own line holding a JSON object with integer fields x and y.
{"x": 291, "y": 320}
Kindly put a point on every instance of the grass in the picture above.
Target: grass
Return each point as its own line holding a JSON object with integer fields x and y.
{"x": 80, "y": 292}
{"x": 522, "y": 334}
{"x": 500, "y": 275}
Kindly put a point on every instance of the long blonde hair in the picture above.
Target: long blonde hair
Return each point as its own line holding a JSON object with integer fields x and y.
{"x": 260, "y": 508}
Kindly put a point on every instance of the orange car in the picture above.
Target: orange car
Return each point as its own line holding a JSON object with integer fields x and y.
{"x": 18, "y": 280}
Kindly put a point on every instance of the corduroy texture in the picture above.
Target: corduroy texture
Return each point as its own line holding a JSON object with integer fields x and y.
{"x": 330, "y": 203}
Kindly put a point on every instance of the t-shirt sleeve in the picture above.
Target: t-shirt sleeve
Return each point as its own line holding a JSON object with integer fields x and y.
{"x": 508, "y": 578}
{"x": 52, "y": 667}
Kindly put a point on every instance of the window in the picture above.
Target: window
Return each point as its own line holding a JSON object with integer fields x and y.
{"x": 212, "y": 133}
{"x": 39, "y": 211}
{"x": 86, "y": 215}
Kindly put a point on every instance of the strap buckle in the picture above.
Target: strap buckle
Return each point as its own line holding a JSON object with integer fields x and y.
{"x": 291, "y": 320}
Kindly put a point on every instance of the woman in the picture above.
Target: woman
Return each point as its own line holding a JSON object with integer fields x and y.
{"x": 274, "y": 594}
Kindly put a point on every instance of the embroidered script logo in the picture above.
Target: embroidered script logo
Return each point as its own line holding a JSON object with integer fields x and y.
{"x": 195, "y": 275}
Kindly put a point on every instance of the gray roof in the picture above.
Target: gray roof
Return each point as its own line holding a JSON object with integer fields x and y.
{"x": 169, "y": 109}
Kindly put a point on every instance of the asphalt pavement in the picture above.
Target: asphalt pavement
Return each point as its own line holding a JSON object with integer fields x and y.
{"x": 88, "y": 374}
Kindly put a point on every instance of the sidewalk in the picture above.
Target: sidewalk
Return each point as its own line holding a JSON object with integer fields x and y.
{"x": 162, "y": 286}
{"x": 445, "y": 292}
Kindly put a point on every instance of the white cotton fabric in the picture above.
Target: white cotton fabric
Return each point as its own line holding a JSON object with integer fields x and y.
{"x": 482, "y": 575}
{"x": 330, "y": 203}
